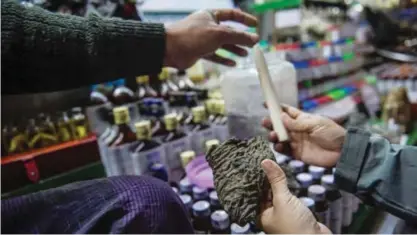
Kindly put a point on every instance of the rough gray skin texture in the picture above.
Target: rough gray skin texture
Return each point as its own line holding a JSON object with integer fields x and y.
{"x": 239, "y": 179}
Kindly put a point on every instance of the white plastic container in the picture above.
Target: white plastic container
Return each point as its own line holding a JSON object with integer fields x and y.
{"x": 244, "y": 98}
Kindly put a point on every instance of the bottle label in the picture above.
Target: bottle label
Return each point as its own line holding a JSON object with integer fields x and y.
{"x": 199, "y": 139}
{"x": 222, "y": 132}
{"x": 173, "y": 150}
{"x": 64, "y": 134}
{"x": 143, "y": 160}
{"x": 81, "y": 132}
{"x": 17, "y": 144}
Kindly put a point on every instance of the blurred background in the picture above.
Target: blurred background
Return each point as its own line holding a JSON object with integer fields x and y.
{"x": 352, "y": 61}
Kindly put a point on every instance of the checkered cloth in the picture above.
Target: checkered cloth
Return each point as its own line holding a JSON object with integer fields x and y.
{"x": 123, "y": 204}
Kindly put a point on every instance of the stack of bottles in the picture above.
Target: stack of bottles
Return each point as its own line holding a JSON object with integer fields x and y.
{"x": 148, "y": 131}
{"x": 43, "y": 131}
{"x": 394, "y": 75}
{"x": 318, "y": 192}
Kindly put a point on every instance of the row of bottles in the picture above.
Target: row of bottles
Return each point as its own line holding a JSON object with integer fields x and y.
{"x": 43, "y": 131}
{"x": 156, "y": 85}
{"x": 318, "y": 192}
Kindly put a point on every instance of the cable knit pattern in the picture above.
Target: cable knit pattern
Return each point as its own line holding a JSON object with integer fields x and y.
{"x": 43, "y": 51}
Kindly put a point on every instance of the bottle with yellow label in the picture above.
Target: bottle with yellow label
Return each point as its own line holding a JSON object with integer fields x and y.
{"x": 144, "y": 136}
{"x": 122, "y": 94}
{"x": 79, "y": 124}
{"x": 124, "y": 132}
{"x": 14, "y": 140}
{"x": 171, "y": 125}
{"x": 48, "y": 130}
{"x": 163, "y": 88}
{"x": 221, "y": 118}
{"x": 144, "y": 89}
{"x": 211, "y": 110}
{"x": 34, "y": 134}
{"x": 63, "y": 124}
{"x": 199, "y": 120}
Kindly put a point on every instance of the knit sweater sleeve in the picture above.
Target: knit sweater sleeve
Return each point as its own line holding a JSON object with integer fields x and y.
{"x": 43, "y": 51}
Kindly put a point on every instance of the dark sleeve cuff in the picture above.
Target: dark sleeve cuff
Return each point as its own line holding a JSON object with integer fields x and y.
{"x": 132, "y": 48}
{"x": 351, "y": 160}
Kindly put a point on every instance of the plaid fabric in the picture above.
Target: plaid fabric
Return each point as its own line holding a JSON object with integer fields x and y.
{"x": 123, "y": 204}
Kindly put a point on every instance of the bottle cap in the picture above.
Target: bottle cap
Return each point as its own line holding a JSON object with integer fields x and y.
{"x": 327, "y": 181}
{"x": 281, "y": 159}
{"x": 305, "y": 179}
{"x": 201, "y": 209}
{"x": 316, "y": 171}
{"x": 164, "y": 74}
{"x": 220, "y": 220}
{"x": 199, "y": 114}
{"x": 220, "y": 107}
{"x": 317, "y": 192}
{"x": 143, "y": 130}
{"x": 121, "y": 115}
{"x": 158, "y": 170}
{"x": 296, "y": 166}
{"x": 185, "y": 185}
{"x": 199, "y": 193}
{"x": 214, "y": 199}
{"x": 187, "y": 200}
{"x": 236, "y": 229}
{"x": 187, "y": 157}
{"x": 171, "y": 121}
{"x": 211, "y": 143}
{"x": 142, "y": 79}
{"x": 210, "y": 105}
{"x": 308, "y": 202}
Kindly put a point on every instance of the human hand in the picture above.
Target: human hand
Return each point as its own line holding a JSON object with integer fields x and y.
{"x": 314, "y": 139}
{"x": 287, "y": 214}
{"x": 200, "y": 35}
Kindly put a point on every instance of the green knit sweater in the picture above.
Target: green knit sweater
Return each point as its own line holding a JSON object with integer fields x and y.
{"x": 43, "y": 51}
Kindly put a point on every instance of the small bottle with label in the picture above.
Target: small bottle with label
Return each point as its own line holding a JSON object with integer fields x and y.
{"x": 188, "y": 202}
{"x": 210, "y": 109}
{"x": 317, "y": 172}
{"x": 237, "y": 229}
{"x": 171, "y": 125}
{"x": 144, "y": 136}
{"x": 201, "y": 214}
{"x": 63, "y": 126}
{"x": 34, "y": 135}
{"x": 296, "y": 166}
{"x": 305, "y": 180}
{"x": 79, "y": 124}
{"x": 220, "y": 223}
{"x": 318, "y": 194}
{"x": 309, "y": 203}
{"x": 156, "y": 112}
{"x": 222, "y": 129}
{"x": 185, "y": 186}
{"x": 124, "y": 132}
{"x": 214, "y": 201}
{"x": 200, "y": 194}
{"x": 48, "y": 130}
{"x": 201, "y": 130}
{"x": 334, "y": 198}
{"x": 199, "y": 119}
{"x": 144, "y": 89}
{"x": 15, "y": 140}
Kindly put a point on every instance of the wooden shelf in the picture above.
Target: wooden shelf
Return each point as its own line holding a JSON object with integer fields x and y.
{"x": 38, "y": 152}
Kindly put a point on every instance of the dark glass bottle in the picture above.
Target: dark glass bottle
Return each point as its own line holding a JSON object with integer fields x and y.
{"x": 220, "y": 223}
{"x": 214, "y": 201}
{"x": 201, "y": 213}
{"x": 34, "y": 135}
{"x": 122, "y": 94}
{"x": 200, "y": 194}
{"x": 101, "y": 94}
{"x": 211, "y": 110}
{"x": 221, "y": 118}
{"x": 171, "y": 125}
{"x": 305, "y": 180}
{"x": 334, "y": 198}
{"x": 14, "y": 140}
{"x": 159, "y": 171}
{"x": 79, "y": 124}
{"x": 162, "y": 87}
{"x": 296, "y": 166}
{"x": 188, "y": 202}
{"x": 124, "y": 132}
{"x": 144, "y": 136}
{"x": 155, "y": 112}
{"x": 186, "y": 187}
{"x": 144, "y": 89}
{"x": 318, "y": 194}
{"x": 48, "y": 130}
{"x": 316, "y": 172}
{"x": 199, "y": 119}
{"x": 63, "y": 124}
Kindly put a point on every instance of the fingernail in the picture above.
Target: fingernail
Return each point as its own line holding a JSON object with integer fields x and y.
{"x": 267, "y": 165}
